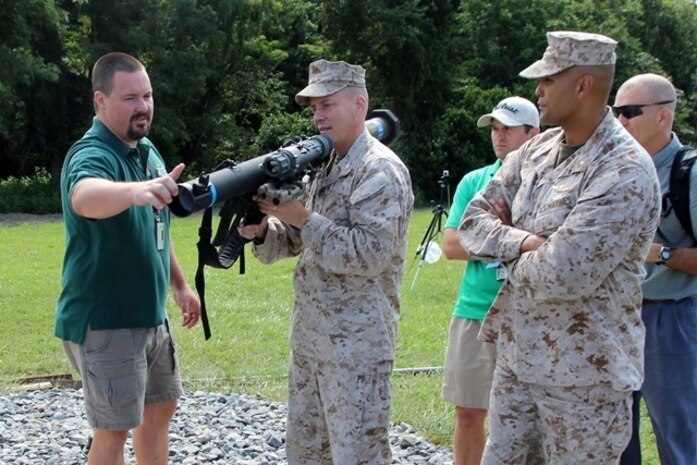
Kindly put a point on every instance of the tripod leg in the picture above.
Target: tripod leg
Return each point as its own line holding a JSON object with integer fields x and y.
{"x": 416, "y": 275}
{"x": 434, "y": 228}
{"x": 421, "y": 250}
{"x": 430, "y": 233}
{"x": 440, "y": 214}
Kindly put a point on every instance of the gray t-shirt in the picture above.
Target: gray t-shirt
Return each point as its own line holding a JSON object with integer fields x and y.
{"x": 663, "y": 282}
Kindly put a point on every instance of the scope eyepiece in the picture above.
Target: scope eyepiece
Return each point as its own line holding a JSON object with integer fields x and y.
{"x": 280, "y": 165}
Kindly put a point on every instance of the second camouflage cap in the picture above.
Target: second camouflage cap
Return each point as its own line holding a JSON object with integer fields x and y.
{"x": 569, "y": 48}
{"x": 329, "y": 77}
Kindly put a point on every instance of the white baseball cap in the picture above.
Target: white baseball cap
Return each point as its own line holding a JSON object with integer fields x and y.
{"x": 512, "y": 111}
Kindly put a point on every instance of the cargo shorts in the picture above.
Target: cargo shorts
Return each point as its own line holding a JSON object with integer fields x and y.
{"x": 122, "y": 370}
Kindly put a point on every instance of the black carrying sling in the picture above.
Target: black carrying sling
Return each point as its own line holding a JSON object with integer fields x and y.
{"x": 224, "y": 250}
{"x": 679, "y": 191}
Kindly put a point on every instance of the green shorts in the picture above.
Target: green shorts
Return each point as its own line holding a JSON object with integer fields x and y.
{"x": 124, "y": 369}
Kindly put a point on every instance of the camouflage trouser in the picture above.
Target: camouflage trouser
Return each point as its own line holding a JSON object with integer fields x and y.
{"x": 338, "y": 414}
{"x": 535, "y": 424}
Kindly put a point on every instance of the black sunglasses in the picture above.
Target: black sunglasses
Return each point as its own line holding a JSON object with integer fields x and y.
{"x": 630, "y": 111}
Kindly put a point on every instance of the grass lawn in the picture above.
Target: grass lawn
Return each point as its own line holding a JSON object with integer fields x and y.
{"x": 250, "y": 319}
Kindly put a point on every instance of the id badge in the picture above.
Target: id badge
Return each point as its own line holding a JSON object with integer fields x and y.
{"x": 159, "y": 232}
{"x": 501, "y": 273}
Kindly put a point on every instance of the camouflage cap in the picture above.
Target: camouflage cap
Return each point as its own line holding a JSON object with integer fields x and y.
{"x": 329, "y": 77}
{"x": 567, "y": 49}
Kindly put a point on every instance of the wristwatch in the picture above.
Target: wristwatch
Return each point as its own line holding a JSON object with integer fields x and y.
{"x": 664, "y": 254}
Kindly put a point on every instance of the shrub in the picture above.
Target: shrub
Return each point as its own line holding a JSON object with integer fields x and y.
{"x": 36, "y": 195}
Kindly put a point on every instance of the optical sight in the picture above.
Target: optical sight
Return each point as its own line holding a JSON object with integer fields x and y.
{"x": 233, "y": 180}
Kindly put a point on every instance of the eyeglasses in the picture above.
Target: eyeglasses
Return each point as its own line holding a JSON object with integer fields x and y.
{"x": 630, "y": 111}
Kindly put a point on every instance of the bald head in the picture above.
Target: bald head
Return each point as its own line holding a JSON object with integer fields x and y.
{"x": 654, "y": 87}
{"x": 645, "y": 105}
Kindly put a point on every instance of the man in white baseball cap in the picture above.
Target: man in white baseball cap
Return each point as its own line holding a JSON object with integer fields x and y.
{"x": 512, "y": 111}
{"x": 513, "y": 121}
{"x": 469, "y": 363}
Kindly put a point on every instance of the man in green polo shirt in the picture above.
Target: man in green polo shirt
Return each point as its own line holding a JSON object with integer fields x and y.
{"x": 469, "y": 363}
{"x": 117, "y": 268}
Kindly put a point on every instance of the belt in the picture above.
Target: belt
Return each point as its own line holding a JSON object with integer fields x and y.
{"x": 650, "y": 301}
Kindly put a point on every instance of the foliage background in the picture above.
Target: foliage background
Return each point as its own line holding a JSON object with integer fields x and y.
{"x": 225, "y": 72}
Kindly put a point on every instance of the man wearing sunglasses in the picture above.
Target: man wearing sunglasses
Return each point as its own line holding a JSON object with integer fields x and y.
{"x": 571, "y": 216}
{"x": 645, "y": 106}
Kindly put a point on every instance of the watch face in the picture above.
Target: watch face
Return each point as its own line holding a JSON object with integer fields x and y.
{"x": 666, "y": 253}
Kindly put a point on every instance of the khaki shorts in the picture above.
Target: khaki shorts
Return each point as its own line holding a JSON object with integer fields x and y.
{"x": 469, "y": 366}
{"x": 122, "y": 370}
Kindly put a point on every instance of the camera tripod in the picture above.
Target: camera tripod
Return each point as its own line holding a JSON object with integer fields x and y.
{"x": 435, "y": 227}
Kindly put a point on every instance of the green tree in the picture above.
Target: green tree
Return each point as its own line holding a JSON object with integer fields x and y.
{"x": 409, "y": 49}
{"x": 217, "y": 69}
{"x": 225, "y": 72}
{"x": 667, "y": 31}
{"x": 30, "y": 85}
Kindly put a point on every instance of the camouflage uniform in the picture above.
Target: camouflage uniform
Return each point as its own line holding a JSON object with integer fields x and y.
{"x": 352, "y": 253}
{"x": 567, "y": 321}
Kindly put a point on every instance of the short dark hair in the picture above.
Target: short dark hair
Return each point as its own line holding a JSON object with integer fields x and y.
{"x": 105, "y": 68}
{"x": 528, "y": 128}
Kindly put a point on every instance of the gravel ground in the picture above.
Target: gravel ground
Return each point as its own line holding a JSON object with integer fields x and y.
{"x": 49, "y": 427}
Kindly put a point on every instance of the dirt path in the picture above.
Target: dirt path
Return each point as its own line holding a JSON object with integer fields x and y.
{"x": 12, "y": 219}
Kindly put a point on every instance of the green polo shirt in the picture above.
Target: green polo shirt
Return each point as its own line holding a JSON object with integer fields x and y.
{"x": 479, "y": 286}
{"x": 113, "y": 274}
